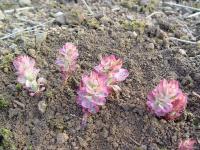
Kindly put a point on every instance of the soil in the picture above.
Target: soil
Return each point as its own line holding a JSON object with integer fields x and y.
{"x": 143, "y": 43}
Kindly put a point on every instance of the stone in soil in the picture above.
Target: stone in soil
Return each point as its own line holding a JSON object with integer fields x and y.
{"x": 40, "y": 38}
{"x": 42, "y": 106}
{"x": 24, "y": 2}
{"x": 32, "y": 52}
{"x": 14, "y": 112}
{"x": 60, "y": 18}
{"x": 62, "y": 138}
{"x": 2, "y": 16}
{"x": 82, "y": 142}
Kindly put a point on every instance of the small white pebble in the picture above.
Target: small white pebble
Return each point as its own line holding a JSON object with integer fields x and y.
{"x": 42, "y": 106}
{"x": 182, "y": 52}
{"x": 135, "y": 34}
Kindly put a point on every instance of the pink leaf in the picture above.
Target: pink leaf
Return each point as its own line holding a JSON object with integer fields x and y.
{"x": 121, "y": 75}
{"x": 67, "y": 59}
{"x": 187, "y": 144}
{"x": 27, "y": 73}
{"x": 167, "y": 100}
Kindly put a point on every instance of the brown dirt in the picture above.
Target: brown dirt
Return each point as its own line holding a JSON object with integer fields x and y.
{"x": 124, "y": 122}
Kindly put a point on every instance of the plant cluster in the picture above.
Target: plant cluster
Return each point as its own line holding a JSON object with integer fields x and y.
{"x": 110, "y": 67}
{"x": 28, "y": 74}
{"x": 67, "y": 60}
{"x": 94, "y": 88}
{"x": 167, "y": 100}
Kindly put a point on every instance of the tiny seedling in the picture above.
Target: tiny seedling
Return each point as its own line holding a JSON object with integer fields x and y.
{"x": 27, "y": 75}
{"x": 167, "y": 100}
{"x": 67, "y": 60}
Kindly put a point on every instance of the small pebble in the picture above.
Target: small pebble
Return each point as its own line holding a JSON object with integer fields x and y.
{"x": 150, "y": 46}
{"x": 143, "y": 147}
{"x": 144, "y": 2}
{"x": 32, "y": 52}
{"x": 105, "y": 132}
{"x": 182, "y": 52}
{"x": 4, "y": 51}
{"x": 13, "y": 112}
{"x": 24, "y": 2}
{"x": 42, "y": 106}
{"x": 198, "y": 44}
{"x": 135, "y": 34}
{"x": 115, "y": 144}
{"x": 130, "y": 17}
{"x": 99, "y": 16}
{"x": 153, "y": 146}
{"x": 5, "y": 70}
{"x": 12, "y": 88}
{"x": 60, "y": 18}
{"x": 196, "y": 77}
{"x": 2, "y": 16}
{"x": 40, "y": 38}
{"x": 73, "y": 144}
{"x": 62, "y": 138}
{"x": 82, "y": 142}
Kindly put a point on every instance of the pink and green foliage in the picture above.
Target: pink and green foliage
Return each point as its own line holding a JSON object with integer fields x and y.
{"x": 110, "y": 66}
{"x": 96, "y": 87}
{"x": 92, "y": 94}
{"x": 67, "y": 60}
{"x": 27, "y": 74}
{"x": 187, "y": 145}
{"x": 167, "y": 100}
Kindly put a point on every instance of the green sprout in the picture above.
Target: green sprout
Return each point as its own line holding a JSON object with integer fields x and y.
{"x": 5, "y": 139}
{"x": 3, "y": 102}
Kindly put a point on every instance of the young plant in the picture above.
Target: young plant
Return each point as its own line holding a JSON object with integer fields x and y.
{"x": 94, "y": 88}
{"x": 27, "y": 74}
{"x": 6, "y": 139}
{"x": 3, "y": 102}
{"x": 67, "y": 60}
{"x": 167, "y": 100}
{"x": 92, "y": 93}
{"x": 187, "y": 145}
{"x": 110, "y": 66}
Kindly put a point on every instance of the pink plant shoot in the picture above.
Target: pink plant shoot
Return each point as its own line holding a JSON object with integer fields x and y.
{"x": 110, "y": 66}
{"x": 167, "y": 100}
{"x": 27, "y": 74}
{"x": 67, "y": 60}
{"x": 92, "y": 93}
{"x": 187, "y": 144}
